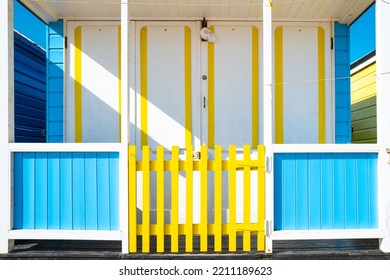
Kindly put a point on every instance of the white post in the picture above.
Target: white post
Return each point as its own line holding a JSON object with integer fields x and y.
{"x": 383, "y": 117}
{"x": 123, "y": 157}
{"x": 267, "y": 119}
{"x": 6, "y": 117}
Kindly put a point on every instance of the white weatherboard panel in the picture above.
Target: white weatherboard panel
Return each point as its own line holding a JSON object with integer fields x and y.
{"x": 99, "y": 74}
{"x": 300, "y": 71}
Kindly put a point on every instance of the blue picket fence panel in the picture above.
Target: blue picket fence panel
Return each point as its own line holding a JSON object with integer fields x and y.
{"x": 325, "y": 191}
{"x": 69, "y": 191}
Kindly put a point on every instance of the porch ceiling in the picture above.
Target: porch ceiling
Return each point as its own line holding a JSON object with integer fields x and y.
{"x": 344, "y": 11}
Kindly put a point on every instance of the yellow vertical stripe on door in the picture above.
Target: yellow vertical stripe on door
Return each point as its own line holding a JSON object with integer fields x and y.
{"x": 78, "y": 88}
{"x": 119, "y": 83}
{"x": 321, "y": 86}
{"x": 144, "y": 85}
{"x": 188, "y": 86}
{"x": 211, "y": 76}
{"x": 255, "y": 86}
{"x": 279, "y": 126}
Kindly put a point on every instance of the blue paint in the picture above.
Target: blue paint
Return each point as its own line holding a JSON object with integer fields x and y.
{"x": 55, "y": 82}
{"x": 70, "y": 191}
{"x": 342, "y": 84}
{"x": 325, "y": 191}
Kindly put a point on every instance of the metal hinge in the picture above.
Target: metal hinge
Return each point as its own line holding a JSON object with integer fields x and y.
{"x": 331, "y": 43}
{"x": 268, "y": 164}
{"x": 268, "y": 228}
{"x": 66, "y": 42}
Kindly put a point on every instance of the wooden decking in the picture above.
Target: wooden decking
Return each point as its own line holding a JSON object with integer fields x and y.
{"x": 300, "y": 250}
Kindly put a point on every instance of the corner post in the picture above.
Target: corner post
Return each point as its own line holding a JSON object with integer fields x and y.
{"x": 124, "y": 155}
{"x": 383, "y": 116}
{"x": 268, "y": 116}
{"x": 7, "y": 120}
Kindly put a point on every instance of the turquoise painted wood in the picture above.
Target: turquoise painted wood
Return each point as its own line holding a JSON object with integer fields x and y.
{"x": 55, "y": 82}
{"x": 325, "y": 191}
{"x": 342, "y": 83}
{"x": 69, "y": 191}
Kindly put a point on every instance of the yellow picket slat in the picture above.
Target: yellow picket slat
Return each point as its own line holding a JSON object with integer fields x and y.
{"x": 218, "y": 199}
{"x": 203, "y": 199}
{"x": 145, "y": 199}
{"x": 247, "y": 199}
{"x": 232, "y": 198}
{"x": 160, "y": 199}
{"x": 132, "y": 196}
{"x": 175, "y": 199}
{"x": 261, "y": 198}
{"x": 189, "y": 196}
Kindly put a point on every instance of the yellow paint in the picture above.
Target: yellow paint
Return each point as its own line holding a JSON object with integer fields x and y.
{"x": 188, "y": 86}
{"x": 255, "y": 86}
{"x": 203, "y": 199}
{"x": 160, "y": 199}
{"x": 175, "y": 199}
{"x": 232, "y": 199}
{"x": 321, "y": 86}
{"x": 247, "y": 199}
{"x": 279, "y": 122}
{"x": 132, "y": 198}
{"x": 144, "y": 85}
{"x": 218, "y": 199}
{"x": 78, "y": 84}
{"x": 189, "y": 197}
{"x": 145, "y": 199}
{"x": 119, "y": 83}
{"x": 211, "y": 84}
{"x": 363, "y": 84}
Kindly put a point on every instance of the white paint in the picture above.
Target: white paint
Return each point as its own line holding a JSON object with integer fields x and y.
{"x": 7, "y": 117}
{"x": 66, "y": 234}
{"x": 383, "y": 116}
{"x": 327, "y": 234}
{"x": 100, "y": 112}
{"x": 64, "y": 147}
{"x": 325, "y": 148}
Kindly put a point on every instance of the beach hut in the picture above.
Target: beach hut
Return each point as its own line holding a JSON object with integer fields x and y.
{"x": 205, "y": 119}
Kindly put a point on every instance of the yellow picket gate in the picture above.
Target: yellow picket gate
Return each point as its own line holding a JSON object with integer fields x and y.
{"x": 204, "y": 166}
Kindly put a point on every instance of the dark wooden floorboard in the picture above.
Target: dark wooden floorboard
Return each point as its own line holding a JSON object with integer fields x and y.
{"x": 300, "y": 250}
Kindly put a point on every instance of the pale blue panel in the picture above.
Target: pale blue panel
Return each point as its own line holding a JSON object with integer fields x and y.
{"x": 339, "y": 191}
{"x": 363, "y": 191}
{"x": 18, "y": 191}
{"x": 314, "y": 175}
{"x": 66, "y": 191}
{"x": 103, "y": 186}
{"x": 28, "y": 190}
{"x": 373, "y": 188}
{"x": 289, "y": 185}
{"x": 302, "y": 192}
{"x": 78, "y": 191}
{"x": 53, "y": 202}
{"x": 114, "y": 191}
{"x": 278, "y": 191}
{"x": 327, "y": 181}
{"x": 351, "y": 191}
{"x": 41, "y": 191}
{"x": 91, "y": 206}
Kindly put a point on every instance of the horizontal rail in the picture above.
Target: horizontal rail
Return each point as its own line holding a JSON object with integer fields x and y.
{"x": 65, "y": 234}
{"x": 65, "y": 147}
{"x": 327, "y": 234}
{"x": 325, "y": 148}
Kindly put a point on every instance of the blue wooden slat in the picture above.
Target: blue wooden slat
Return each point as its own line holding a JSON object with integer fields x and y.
{"x": 363, "y": 191}
{"x": 302, "y": 192}
{"x": 41, "y": 191}
{"x": 289, "y": 182}
{"x": 18, "y": 191}
{"x": 373, "y": 183}
{"x": 91, "y": 191}
{"x": 339, "y": 191}
{"x": 103, "y": 185}
{"x": 53, "y": 172}
{"x": 314, "y": 166}
{"x": 28, "y": 190}
{"x": 278, "y": 191}
{"x": 351, "y": 191}
{"x": 114, "y": 191}
{"x": 327, "y": 191}
{"x": 78, "y": 191}
{"x": 66, "y": 191}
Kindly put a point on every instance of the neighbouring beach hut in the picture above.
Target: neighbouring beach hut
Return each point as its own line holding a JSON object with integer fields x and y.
{"x": 210, "y": 119}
